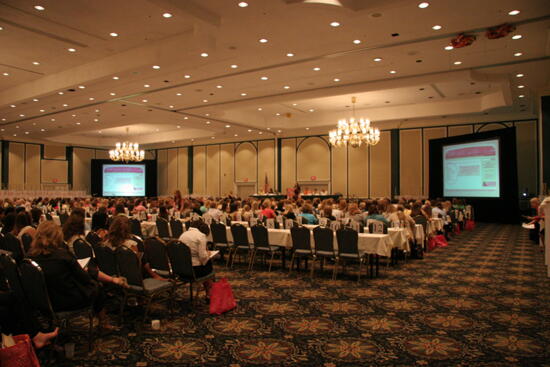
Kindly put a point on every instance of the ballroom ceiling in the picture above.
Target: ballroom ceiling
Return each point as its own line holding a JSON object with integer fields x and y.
{"x": 171, "y": 72}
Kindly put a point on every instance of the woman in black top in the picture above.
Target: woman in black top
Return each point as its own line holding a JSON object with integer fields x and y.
{"x": 69, "y": 286}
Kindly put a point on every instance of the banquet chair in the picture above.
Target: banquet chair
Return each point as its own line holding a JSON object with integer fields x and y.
{"x": 219, "y": 240}
{"x": 93, "y": 238}
{"x": 335, "y": 225}
{"x": 182, "y": 265}
{"x": 376, "y": 226}
{"x": 135, "y": 227}
{"x": 163, "y": 229}
{"x": 36, "y": 292}
{"x": 105, "y": 259}
{"x": 26, "y": 241}
{"x": 348, "y": 249}
{"x": 240, "y": 241}
{"x": 261, "y": 244}
{"x": 82, "y": 249}
{"x": 420, "y": 219}
{"x": 323, "y": 239}
{"x": 301, "y": 245}
{"x": 139, "y": 241}
{"x": 157, "y": 257}
{"x": 176, "y": 227}
{"x": 149, "y": 289}
{"x": 63, "y": 218}
{"x": 12, "y": 244}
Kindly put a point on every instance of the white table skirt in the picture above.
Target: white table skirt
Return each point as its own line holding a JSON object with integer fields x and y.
{"x": 379, "y": 244}
{"x": 419, "y": 234}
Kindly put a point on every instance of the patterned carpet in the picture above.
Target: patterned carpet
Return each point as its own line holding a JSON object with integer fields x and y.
{"x": 482, "y": 301}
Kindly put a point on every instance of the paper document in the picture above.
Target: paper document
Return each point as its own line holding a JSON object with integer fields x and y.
{"x": 211, "y": 254}
{"x": 84, "y": 262}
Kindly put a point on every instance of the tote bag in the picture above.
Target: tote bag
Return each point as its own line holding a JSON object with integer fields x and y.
{"x": 20, "y": 353}
{"x": 221, "y": 297}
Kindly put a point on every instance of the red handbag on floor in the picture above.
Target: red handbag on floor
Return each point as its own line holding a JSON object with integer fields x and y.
{"x": 19, "y": 355}
{"x": 440, "y": 241}
{"x": 221, "y": 297}
{"x": 431, "y": 244}
{"x": 470, "y": 225}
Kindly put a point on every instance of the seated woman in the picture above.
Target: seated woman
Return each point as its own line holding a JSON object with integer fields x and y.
{"x": 69, "y": 286}
{"x": 307, "y": 214}
{"x": 327, "y": 213}
{"x": 195, "y": 239}
{"x": 375, "y": 215}
{"x": 22, "y": 225}
{"x": 289, "y": 212}
{"x": 267, "y": 212}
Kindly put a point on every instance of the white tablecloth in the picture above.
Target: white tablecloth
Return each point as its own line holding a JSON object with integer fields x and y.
{"x": 435, "y": 224}
{"x": 379, "y": 244}
{"x": 419, "y": 234}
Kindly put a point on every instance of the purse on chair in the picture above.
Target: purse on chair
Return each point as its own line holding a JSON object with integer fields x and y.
{"x": 221, "y": 297}
{"x": 18, "y": 351}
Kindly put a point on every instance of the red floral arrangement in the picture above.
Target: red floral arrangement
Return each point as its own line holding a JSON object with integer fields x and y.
{"x": 462, "y": 40}
{"x": 500, "y": 31}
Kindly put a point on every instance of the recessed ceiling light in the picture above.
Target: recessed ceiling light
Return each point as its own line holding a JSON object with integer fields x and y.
{"x": 514, "y": 12}
{"x": 167, "y": 15}
{"x": 91, "y": 98}
{"x": 423, "y": 5}
{"x": 449, "y": 48}
{"x": 42, "y": 130}
{"x": 12, "y": 106}
{"x": 437, "y": 27}
{"x": 207, "y": 122}
{"x": 14, "y": 134}
{"x": 35, "y": 63}
{"x": 52, "y": 120}
{"x": 179, "y": 127}
{"x": 377, "y": 59}
{"x": 236, "y": 135}
{"x": 307, "y": 128}
{"x": 259, "y": 108}
{"x": 39, "y": 7}
{"x": 228, "y": 126}
{"x": 336, "y": 79}
{"x": 277, "y": 114}
{"x": 35, "y": 99}
{"x": 1, "y": 28}
{"x": 71, "y": 49}
{"x": 204, "y": 54}
{"x": 42, "y": 110}
{"x": 393, "y": 71}
{"x": 144, "y": 100}
{"x": 156, "y": 67}
{"x": 521, "y": 96}
{"x": 357, "y": 42}
{"x": 146, "y": 85}
{"x": 263, "y": 40}
{"x": 457, "y": 62}
{"x": 335, "y": 24}
{"x": 268, "y": 128}
{"x": 286, "y": 87}
{"x": 205, "y": 101}
{"x": 187, "y": 76}
{"x": 21, "y": 115}
{"x": 5, "y": 74}
{"x": 243, "y": 4}
{"x": 78, "y": 123}
{"x": 219, "y": 86}
{"x": 517, "y": 54}
{"x": 60, "y": 93}
{"x": 73, "y": 115}
{"x": 519, "y": 75}
{"x": 517, "y": 36}
{"x": 249, "y": 130}
{"x": 243, "y": 94}
{"x": 295, "y": 104}
{"x": 116, "y": 78}
{"x": 316, "y": 69}
{"x": 264, "y": 78}
{"x": 311, "y": 110}
{"x": 186, "y": 118}
{"x": 234, "y": 66}
{"x": 171, "y": 106}
{"x": 65, "y": 105}
{"x": 81, "y": 87}
{"x": 113, "y": 34}
{"x": 96, "y": 120}
{"x": 112, "y": 93}
{"x": 212, "y": 137}
{"x": 178, "y": 94}
{"x": 157, "y": 130}
{"x": 290, "y": 54}
{"x": 521, "y": 86}
{"x": 17, "y": 127}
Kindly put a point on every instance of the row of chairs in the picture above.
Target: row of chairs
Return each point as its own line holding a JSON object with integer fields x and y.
{"x": 302, "y": 248}
{"x": 166, "y": 229}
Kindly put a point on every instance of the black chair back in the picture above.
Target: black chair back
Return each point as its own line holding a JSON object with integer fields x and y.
{"x": 378, "y": 227}
{"x": 240, "y": 235}
{"x": 180, "y": 257}
{"x": 347, "y": 241}
{"x": 139, "y": 241}
{"x": 420, "y": 219}
{"x": 177, "y": 228}
{"x": 26, "y": 240}
{"x": 106, "y": 260}
{"x": 34, "y": 286}
{"x": 129, "y": 266}
{"x": 49, "y": 216}
{"x": 93, "y": 238}
{"x": 162, "y": 228}
{"x": 135, "y": 227}
{"x": 63, "y": 218}
{"x": 260, "y": 236}
{"x": 11, "y": 273}
{"x": 13, "y": 245}
{"x": 82, "y": 249}
{"x": 155, "y": 252}
{"x": 324, "y": 239}
{"x": 219, "y": 233}
{"x": 301, "y": 238}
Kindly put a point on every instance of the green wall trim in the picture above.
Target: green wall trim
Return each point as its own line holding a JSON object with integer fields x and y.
{"x": 395, "y": 182}
{"x": 190, "y": 169}
{"x": 5, "y": 163}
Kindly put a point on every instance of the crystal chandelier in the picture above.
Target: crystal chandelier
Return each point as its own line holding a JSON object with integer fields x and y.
{"x": 354, "y": 132}
{"x": 127, "y": 152}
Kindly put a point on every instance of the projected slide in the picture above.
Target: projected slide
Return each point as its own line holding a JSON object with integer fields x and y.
{"x": 123, "y": 180}
{"x": 471, "y": 169}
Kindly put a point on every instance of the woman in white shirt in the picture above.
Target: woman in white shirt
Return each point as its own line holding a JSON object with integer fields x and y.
{"x": 195, "y": 239}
